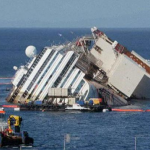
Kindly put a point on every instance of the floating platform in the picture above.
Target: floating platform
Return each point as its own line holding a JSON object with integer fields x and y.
{"x": 42, "y": 107}
{"x": 93, "y": 108}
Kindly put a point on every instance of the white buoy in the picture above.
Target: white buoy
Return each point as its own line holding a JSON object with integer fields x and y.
{"x": 31, "y": 51}
{"x": 15, "y": 67}
{"x": 17, "y": 109}
{"x": 105, "y": 110}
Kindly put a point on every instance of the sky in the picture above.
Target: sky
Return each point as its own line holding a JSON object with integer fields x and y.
{"x": 74, "y": 13}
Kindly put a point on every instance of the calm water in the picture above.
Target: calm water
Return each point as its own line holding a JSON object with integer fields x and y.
{"x": 88, "y": 131}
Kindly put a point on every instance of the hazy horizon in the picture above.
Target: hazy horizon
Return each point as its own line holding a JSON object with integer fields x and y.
{"x": 74, "y": 14}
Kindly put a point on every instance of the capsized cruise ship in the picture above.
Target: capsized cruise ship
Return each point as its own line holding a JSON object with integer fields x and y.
{"x": 54, "y": 67}
{"x": 79, "y": 66}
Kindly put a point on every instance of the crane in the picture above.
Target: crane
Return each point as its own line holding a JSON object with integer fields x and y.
{"x": 10, "y": 137}
{"x": 14, "y": 121}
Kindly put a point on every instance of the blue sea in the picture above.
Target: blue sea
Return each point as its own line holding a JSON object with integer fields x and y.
{"x": 85, "y": 131}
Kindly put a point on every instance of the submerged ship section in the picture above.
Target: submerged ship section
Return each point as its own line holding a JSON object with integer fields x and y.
{"x": 84, "y": 67}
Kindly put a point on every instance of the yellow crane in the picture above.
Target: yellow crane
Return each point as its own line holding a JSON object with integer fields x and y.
{"x": 14, "y": 121}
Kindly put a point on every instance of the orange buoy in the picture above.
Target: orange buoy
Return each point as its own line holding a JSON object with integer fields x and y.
{"x": 148, "y": 110}
{"x": 10, "y": 106}
{"x": 2, "y": 112}
{"x": 128, "y": 110}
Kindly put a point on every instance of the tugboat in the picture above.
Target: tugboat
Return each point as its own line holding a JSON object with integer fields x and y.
{"x": 10, "y": 137}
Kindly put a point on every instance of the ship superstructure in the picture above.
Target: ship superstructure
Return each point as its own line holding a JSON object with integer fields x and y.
{"x": 95, "y": 57}
{"x": 128, "y": 73}
{"x": 54, "y": 67}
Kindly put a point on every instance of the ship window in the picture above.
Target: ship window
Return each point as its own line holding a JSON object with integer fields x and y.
{"x": 79, "y": 86}
{"x": 83, "y": 97}
{"x": 40, "y": 70}
{"x": 97, "y": 48}
{"x": 67, "y": 77}
{"x": 108, "y": 41}
{"x": 64, "y": 71}
{"x": 75, "y": 77}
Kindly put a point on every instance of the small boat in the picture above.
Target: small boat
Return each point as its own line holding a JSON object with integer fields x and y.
{"x": 10, "y": 137}
{"x": 77, "y": 107}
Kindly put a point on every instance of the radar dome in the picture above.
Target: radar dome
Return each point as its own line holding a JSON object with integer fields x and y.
{"x": 30, "y": 51}
{"x": 15, "y": 67}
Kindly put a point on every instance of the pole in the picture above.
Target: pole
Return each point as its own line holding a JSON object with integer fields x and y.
{"x": 135, "y": 143}
{"x": 64, "y": 142}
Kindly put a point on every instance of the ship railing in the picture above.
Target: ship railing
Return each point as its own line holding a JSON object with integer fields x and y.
{"x": 38, "y": 73}
{"x": 24, "y": 79}
{"x": 66, "y": 68}
{"x": 43, "y": 66}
